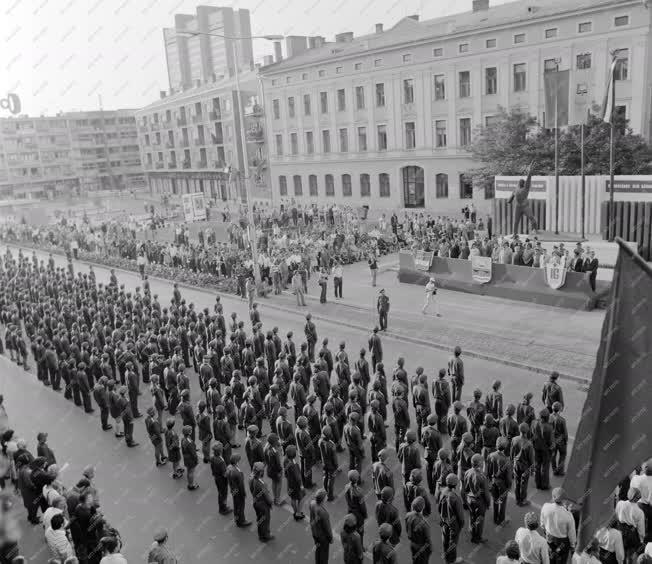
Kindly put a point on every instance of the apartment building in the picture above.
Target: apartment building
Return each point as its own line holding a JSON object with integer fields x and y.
{"x": 69, "y": 154}
{"x": 386, "y": 119}
{"x": 190, "y": 141}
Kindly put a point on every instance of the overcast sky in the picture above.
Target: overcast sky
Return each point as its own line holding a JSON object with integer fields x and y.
{"x": 61, "y": 54}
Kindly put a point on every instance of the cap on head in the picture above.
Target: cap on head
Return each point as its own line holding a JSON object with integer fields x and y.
{"x": 160, "y": 535}
{"x": 387, "y": 493}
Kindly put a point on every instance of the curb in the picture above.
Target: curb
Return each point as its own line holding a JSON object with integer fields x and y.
{"x": 397, "y": 336}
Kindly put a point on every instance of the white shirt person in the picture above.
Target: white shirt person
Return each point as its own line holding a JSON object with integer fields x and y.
{"x": 431, "y": 292}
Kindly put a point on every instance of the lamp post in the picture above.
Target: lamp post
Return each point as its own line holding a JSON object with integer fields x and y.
{"x": 243, "y": 142}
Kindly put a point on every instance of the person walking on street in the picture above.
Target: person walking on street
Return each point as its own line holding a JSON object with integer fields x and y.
{"x": 338, "y": 274}
{"x": 383, "y": 309}
{"x": 297, "y": 288}
{"x": 323, "y": 285}
{"x": 320, "y": 526}
{"x": 431, "y": 299}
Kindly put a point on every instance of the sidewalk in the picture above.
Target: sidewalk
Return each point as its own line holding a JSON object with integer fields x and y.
{"x": 540, "y": 337}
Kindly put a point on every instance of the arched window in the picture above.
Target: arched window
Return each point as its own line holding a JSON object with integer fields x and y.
{"x": 383, "y": 182}
{"x": 312, "y": 185}
{"x": 282, "y": 186}
{"x": 347, "y": 190}
{"x": 442, "y": 185}
{"x": 365, "y": 186}
{"x": 330, "y": 185}
{"x": 298, "y": 189}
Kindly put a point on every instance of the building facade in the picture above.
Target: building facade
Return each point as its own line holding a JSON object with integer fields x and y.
{"x": 386, "y": 119}
{"x": 191, "y": 142}
{"x": 196, "y": 59}
{"x": 69, "y": 154}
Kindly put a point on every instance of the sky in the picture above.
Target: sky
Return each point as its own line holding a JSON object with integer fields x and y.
{"x": 62, "y": 55}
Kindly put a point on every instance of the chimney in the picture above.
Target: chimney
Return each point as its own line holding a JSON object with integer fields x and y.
{"x": 315, "y": 42}
{"x": 480, "y": 5}
{"x": 345, "y": 37}
{"x": 415, "y": 17}
{"x": 379, "y": 28}
{"x": 268, "y": 60}
{"x": 295, "y": 45}
{"x": 163, "y": 94}
{"x": 278, "y": 52}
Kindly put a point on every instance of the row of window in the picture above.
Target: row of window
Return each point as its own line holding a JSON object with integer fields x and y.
{"x": 203, "y": 157}
{"x": 519, "y": 84}
{"x": 381, "y": 138}
{"x": 329, "y": 185}
{"x": 217, "y": 136}
{"x": 462, "y": 48}
{"x": 216, "y": 106}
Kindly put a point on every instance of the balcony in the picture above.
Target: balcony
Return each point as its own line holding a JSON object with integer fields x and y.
{"x": 198, "y": 118}
{"x": 202, "y": 164}
{"x": 215, "y": 115}
{"x": 182, "y": 121}
{"x": 170, "y": 145}
{"x": 160, "y": 165}
{"x": 217, "y": 139}
{"x": 172, "y": 165}
{"x": 185, "y": 164}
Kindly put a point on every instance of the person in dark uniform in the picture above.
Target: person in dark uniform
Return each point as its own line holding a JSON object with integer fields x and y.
{"x": 591, "y": 265}
{"x": 409, "y": 455}
{"x": 522, "y": 455}
{"x": 542, "y": 441}
{"x": 351, "y": 541}
{"x": 522, "y": 205}
{"x": 127, "y": 417}
{"x": 354, "y": 442}
{"x": 187, "y": 414}
{"x": 381, "y": 474}
{"x": 173, "y": 448}
{"x": 476, "y": 411}
{"x": 457, "y": 427}
{"x": 382, "y": 551}
{"x": 525, "y": 412}
{"x": 320, "y": 527}
{"x": 375, "y": 348}
{"x": 432, "y": 442}
{"x": 155, "y": 433}
{"x": 292, "y": 472}
{"x": 262, "y": 500}
{"x": 500, "y": 476}
{"x": 376, "y": 426}
{"x": 101, "y": 397}
{"x": 383, "y": 309}
{"x": 451, "y": 519}
{"x": 355, "y": 501}
{"x": 494, "y": 401}
{"x": 254, "y": 447}
{"x": 387, "y": 513}
{"x": 401, "y": 416}
{"x": 560, "y": 440}
{"x": 218, "y": 469}
{"x": 442, "y": 395}
{"x": 552, "y": 392}
{"x": 328, "y": 452}
{"x": 310, "y": 332}
{"x": 508, "y": 427}
{"x": 190, "y": 458}
{"x": 456, "y": 373}
{"x": 413, "y": 489}
{"x": 235, "y": 478}
{"x": 306, "y": 450}
{"x": 418, "y": 533}
{"x": 476, "y": 492}
{"x": 205, "y": 434}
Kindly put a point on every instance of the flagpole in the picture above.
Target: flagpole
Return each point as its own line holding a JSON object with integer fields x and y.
{"x": 612, "y": 211}
{"x": 556, "y": 161}
{"x": 583, "y": 176}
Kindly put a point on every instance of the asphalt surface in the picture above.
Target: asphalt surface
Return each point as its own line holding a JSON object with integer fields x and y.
{"x": 138, "y": 498}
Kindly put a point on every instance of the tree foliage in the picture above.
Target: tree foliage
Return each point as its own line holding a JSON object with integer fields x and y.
{"x": 514, "y": 139}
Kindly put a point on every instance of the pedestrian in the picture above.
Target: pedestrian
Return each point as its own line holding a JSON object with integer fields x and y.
{"x": 235, "y": 478}
{"x": 44, "y": 450}
{"x": 351, "y": 541}
{"x": 102, "y": 399}
{"x": 552, "y": 392}
{"x": 218, "y": 469}
{"x": 190, "y": 458}
{"x": 631, "y": 523}
{"x": 204, "y": 430}
{"x": 533, "y": 547}
{"x": 373, "y": 268}
{"x": 382, "y": 551}
{"x": 431, "y": 298}
{"x": 409, "y": 455}
{"x": 500, "y": 476}
{"x": 155, "y": 433}
{"x": 323, "y": 285}
{"x": 127, "y": 417}
{"x": 432, "y": 442}
{"x": 476, "y": 492}
{"x": 376, "y": 426}
{"x": 559, "y": 528}
{"x": 295, "y": 490}
{"x": 354, "y": 442}
{"x": 457, "y": 428}
{"x": 375, "y": 348}
{"x": 441, "y": 394}
{"x": 328, "y": 453}
{"x": 522, "y": 455}
{"x": 418, "y": 533}
{"x": 274, "y": 466}
{"x": 355, "y": 502}
{"x": 387, "y": 513}
{"x": 542, "y": 441}
{"x": 310, "y": 332}
{"x": 320, "y": 527}
{"x": 456, "y": 373}
{"x": 560, "y": 440}
{"x": 159, "y": 552}
{"x": 338, "y": 276}
{"x": 262, "y": 501}
{"x": 451, "y": 519}
{"x": 297, "y": 288}
{"x": 382, "y": 305}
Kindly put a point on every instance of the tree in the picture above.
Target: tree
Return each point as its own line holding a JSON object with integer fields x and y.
{"x": 515, "y": 138}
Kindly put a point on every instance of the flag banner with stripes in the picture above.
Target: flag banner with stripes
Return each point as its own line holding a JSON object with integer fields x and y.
{"x": 608, "y": 101}
{"x": 557, "y": 87}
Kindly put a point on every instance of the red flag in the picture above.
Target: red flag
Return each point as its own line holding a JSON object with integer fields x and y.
{"x": 614, "y": 432}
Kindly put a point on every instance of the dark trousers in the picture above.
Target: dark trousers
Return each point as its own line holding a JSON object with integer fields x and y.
{"x": 133, "y": 400}
{"x": 430, "y": 464}
{"x": 455, "y": 443}
{"x": 306, "y": 471}
{"x": 382, "y": 319}
{"x": 222, "y": 494}
{"x": 499, "y": 497}
{"x": 476, "y": 519}
{"x": 399, "y": 434}
{"x": 420, "y": 553}
{"x": 376, "y": 447}
{"x": 355, "y": 461}
{"x": 321, "y": 552}
{"x": 238, "y": 509}
{"x": 449, "y": 537}
{"x": 86, "y": 397}
{"x": 322, "y": 295}
{"x": 521, "y": 478}
{"x": 559, "y": 550}
{"x": 311, "y": 351}
{"x": 337, "y": 282}
{"x": 55, "y": 377}
{"x": 329, "y": 483}
{"x": 559, "y": 459}
{"x": 76, "y": 395}
{"x": 129, "y": 431}
{"x": 262, "y": 521}
{"x": 456, "y": 390}
{"x": 647, "y": 512}
{"x": 542, "y": 469}
{"x": 104, "y": 417}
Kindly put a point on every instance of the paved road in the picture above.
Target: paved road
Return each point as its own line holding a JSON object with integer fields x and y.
{"x": 138, "y": 497}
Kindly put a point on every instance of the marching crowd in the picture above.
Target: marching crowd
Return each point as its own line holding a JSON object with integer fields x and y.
{"x": 303, "y": 407}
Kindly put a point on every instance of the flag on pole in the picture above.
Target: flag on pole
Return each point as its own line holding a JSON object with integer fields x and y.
{"x": 614, "y": 436}
{"x": 556, "y": 86}
{"x": 608, "y": 101}
{"x": 582, "y": 95}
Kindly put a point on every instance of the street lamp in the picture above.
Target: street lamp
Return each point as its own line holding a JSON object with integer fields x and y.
{"x": 243, "y": 142}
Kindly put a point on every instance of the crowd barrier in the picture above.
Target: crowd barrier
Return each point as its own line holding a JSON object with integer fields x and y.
{"x": 508, "y": 281}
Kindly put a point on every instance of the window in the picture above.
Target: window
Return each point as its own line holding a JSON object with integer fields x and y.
{"x": 490, "y": 43}
{"x": 382, "y": 138}
{"x": 276, "y": 109}
{"x": 344, "y": 140}
{"x": 490, "y": 120}
{"x": 551, "y": 33}
{"x": 312, "y": 185}
{"x": 365, "y": 186}
{"x": 347, "y": 189}
{"x": 440, "y": 133}
{"x": 519, "y": 38}
{"x": 491, "y": 80}
{"x": 279, "y": 145}
{"x": 304, "y": 76}
{"x": 465, "y": 84}
{"x": 322, "y": 73}
{"x": 378, "y": 63}
{"x": 298, "y": 189}
{"x": 362, "y": 139}
{"x": 294, "y": 144}
{"x": 282, "y": 186}
{"x": 146, "y": 139}
{"x": 306, "y": 105}
{"x": 519, "y": 77}
{"x": 550, "y": 65}
{"x": 359, "y": 97}
{"x": 380, "y": 95}
{"x": 408, "y": 91}
{"x": 310, "y": 143}
{"x": 357, "y": 66}
{"x": 330, "y": 185}
{"x": 288, "y": 79}
{"x": 413, "y": 187}
{"x": 620, "y": 21}
{"x": 407, "y": 58}
{"x": 338, "y": 70}
{"x": 584, "y": 61}
{"x": 323, "y": 102}
{"x": 274, "y": 82}
{"x": 489, "y": 191}
{"x": 326, "y": 141}
{"x": 437, "y": 52}
{"x": 383, "y": 183}
{"x": 291, "y": 106}
{"x": 440, "y": 87}
{"x": 466, "y": 188}
{"x": 584, "y": 27}
{"x": 341, "y": 100}
{"x": 622, "y": 64}
{"x": 464, "y": 48}
{"x": 410, "y": 135}
{"x": 465, "y": 132}
{"x": 441, "y": 182}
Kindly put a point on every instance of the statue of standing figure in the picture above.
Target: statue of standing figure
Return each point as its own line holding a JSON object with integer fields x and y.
{"x": 522, "y": 206}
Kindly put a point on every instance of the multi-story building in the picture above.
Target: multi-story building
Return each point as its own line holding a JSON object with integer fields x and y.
{"x": 191, "y": 141}
{"x": 71, "y": 153}
{"x": 196, "y": 59}
{"x": 386, "y": 119}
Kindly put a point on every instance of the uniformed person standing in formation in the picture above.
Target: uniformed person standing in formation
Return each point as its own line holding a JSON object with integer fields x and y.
{"x": 478, "y": 499}
{"x": 262, "y": 501}
{"x": 418, "y": 533}
{"x": 320, "y": 526}
{"x": 451, "y": 518}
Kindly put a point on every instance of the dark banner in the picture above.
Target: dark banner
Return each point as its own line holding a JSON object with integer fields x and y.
{"x": 557, "y": 86}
